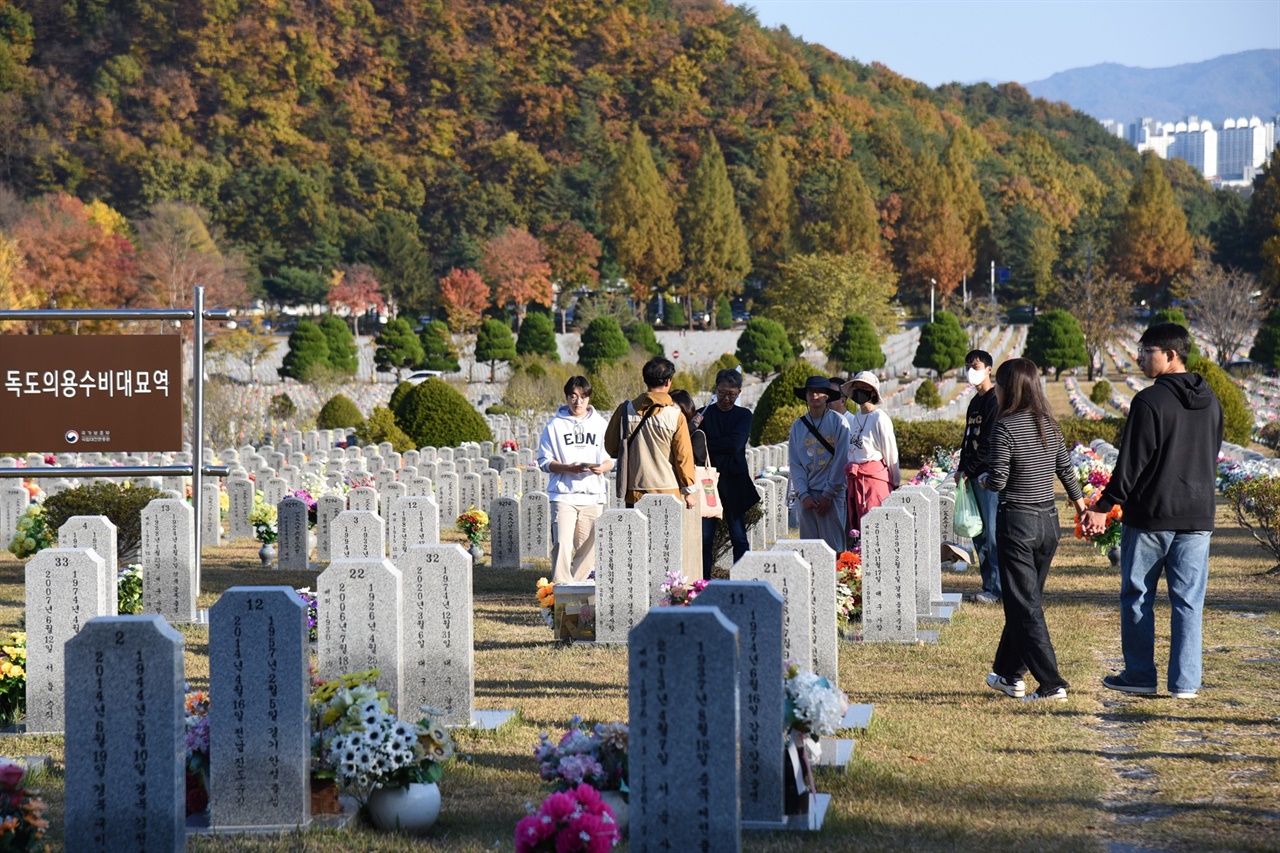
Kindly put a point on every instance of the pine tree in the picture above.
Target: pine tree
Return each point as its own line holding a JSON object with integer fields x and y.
{"x": 437, "y": 348}
{"x": 342, "y": 345}
{"x": 1055, "y": 340}
{"x": 852, "y": 221}
{"x": 724, "y": 312}
{"x": 711, "y": 230}
{"x": 602, "y": 343}
{"x": 640, "y": 219}
{"x": 858, "y": 346}
{"x": 943, "y": 344}
{"x": 397, "y": 347}
{"x": 1266, "y": 344}
{"x": 495, "y": 343}
{"x": 1263, "y": 221}
{"x": 763, "y": 347}
{"x": 773, "y": 211}
{"x": 308, "y": 349}
{"x": 640, "y": 334}
{"x": 1151, "y": 244}
{"x": 933, "y": 244}
{"x": 538, "y": 336}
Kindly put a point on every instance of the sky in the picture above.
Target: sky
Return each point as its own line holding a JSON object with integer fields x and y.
{"x": 940, "y": 41}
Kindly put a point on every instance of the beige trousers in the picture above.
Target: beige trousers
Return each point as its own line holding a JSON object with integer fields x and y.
{"x": 573, "y": 540}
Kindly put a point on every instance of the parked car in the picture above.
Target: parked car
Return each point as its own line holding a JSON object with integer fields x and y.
{"x": 422, "y": 376}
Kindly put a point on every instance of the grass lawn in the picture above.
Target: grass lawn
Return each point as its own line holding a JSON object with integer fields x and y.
{"x": 947, "y": 764}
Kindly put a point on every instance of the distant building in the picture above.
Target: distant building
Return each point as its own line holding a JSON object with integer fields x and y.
{"x": 1196, "y": 142}
{"x": 1243, "y": 146}
{"x": 1231, "y": 156}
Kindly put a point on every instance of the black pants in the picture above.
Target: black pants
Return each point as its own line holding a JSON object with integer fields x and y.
{"x": 1027, "y": 538}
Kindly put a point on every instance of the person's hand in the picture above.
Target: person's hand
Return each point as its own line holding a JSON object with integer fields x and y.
{"x": 1080, "y": 506}
{"x": 697, "y": 420}
{"x": 691, "y": 500}
{"x": 1093, "y": 522}
{"x": 594, "y": 469}
{"x": 824, "y": 505}
{"x": 809, "y": 503}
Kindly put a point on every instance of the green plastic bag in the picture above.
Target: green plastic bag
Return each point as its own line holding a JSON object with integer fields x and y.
{"x": 966, "y": 521}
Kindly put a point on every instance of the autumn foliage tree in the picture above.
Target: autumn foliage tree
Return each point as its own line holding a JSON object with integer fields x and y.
{"x": 1151, "y": 244}
{"x": 515, "y": 267}
{"x": 355, "y": 289}
{"x": 934, "y": 242}
{"x": 464, "y": 296}
{"x": 640, "y": 219}
{"x": 715, "y": 242}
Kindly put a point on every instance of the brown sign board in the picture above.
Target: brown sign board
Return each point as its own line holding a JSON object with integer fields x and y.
{"x": 86, "y": 393}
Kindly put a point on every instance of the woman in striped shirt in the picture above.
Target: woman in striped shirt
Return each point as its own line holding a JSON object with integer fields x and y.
{"x": 1027, "y": 449}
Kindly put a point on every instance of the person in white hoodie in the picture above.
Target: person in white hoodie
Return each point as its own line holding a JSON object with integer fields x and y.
{"x": 572, "y": 452}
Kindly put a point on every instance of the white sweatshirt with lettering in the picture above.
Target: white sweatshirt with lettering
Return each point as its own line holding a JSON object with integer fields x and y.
{"x": 571, "y": 440}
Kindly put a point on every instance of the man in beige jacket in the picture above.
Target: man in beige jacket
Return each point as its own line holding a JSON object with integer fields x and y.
{"x": 650, "y": 431}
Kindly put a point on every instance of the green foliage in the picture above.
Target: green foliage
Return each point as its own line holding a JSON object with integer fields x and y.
{"x": 339, "y": 413}
{"x": 723, "y": 313}
{"x": 495, "y": 343}
{"x": 1266, "y": 344}
{"x": 601, "y": 394}
{"x": 397, "y": 396}
{"x": 1176, "y": 315}
{"x": 437, "y": 348}
{"x": 1055, "y": 340}
{"x": 120, "y": 502}
{"x": 640, "y": 217}
{"x": 927, "y": 395}
{"x": 943, "y": 344}
{"x": 1237, "y": 417}
{"x": 342, "y": 345}
{"x": 727, "y": 361}
{"x": 1256, "y": 504}
{"x": 686, "y": 381}
{"x": 776, "y": 427}
{"x": 381, "y": 426}
{"x": 780, "y": 393}
{"x": 501, "y": 409}
{"x": 436, "y": 415}
{"x": 640, "y": 334}
{"x": 129, "y": 592}
{"x": 858, "y": 346}
{"x": 281, "y": 407}
{"x": 812, "y": 294}
{"x": 917, "y": 440}
{"x": 602, "y": 343}
{"x": 763, "y": 347}
{"x": 308, "y": 348}
{"x": 713, "y": 239}
{"x": 538, "y": 336}
{"x": 293, "y": 286}
{"x": 1082, "y": 430}
{"x": 1100, "y": 393}
{"x": 397, "y": 347}
{"x": 673, "y": 313}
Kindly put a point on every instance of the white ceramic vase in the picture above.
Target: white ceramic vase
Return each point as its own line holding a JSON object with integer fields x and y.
{"x": 412, "y": 810}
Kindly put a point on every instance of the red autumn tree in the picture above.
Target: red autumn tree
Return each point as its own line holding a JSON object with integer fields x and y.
{"x": 515, "y": 265}
{"x": 464, "y": 296}
{"x": 357, "y": 290}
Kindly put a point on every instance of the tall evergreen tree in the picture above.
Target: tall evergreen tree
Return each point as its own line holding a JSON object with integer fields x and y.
{"x": 943, "y": 344}
{"x": 397, "y": 347}
{"x": 1055, "y": 340}
{"x": 933, "y": 244}
{"x": 772, "y": 219}
{"x": 712, "y": 234}
{"x": 1151, "y": 244}
{"x": 393, "y": 247}
{"x": 853, "y": 225}
{"x": 858, "y": 346}
{"x": 1266, "y": 344}
{"x": 537, "y": 336}
{"x": 495, "y": 343}
{"x": 1264, "y": 221}
{"x": 640, "y": 219}
{"x": 308, "y": 350}
{"x": 437, "y": 348}
{"x": 342, "y": 345}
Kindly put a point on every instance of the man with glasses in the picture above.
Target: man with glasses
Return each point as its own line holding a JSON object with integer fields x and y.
{"x": 1164, "y": 482}
{"x": 727, "y": 427}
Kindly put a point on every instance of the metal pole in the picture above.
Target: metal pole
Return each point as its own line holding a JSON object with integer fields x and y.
{"x": 112, "y": 472}
{"x": 197, "y": 420}
{"x": 993, "y": 282}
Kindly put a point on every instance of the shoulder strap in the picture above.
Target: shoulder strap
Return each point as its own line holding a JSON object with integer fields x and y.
{"x": 821, "y": 438}
{"x": 632, "y": 438}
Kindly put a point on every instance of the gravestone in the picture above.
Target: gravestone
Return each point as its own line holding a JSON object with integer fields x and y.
{"x": 447, "y": 468}
{"x": 782, "y": 512}
{"x": 888, "y": 575}
{"x": 622, "y": 573}
{"x": 292, "y": 475}
{"x": 394, "y": 460}
{"x": 531, "y": 481}
{"x": 96, "y": 532}
{"x": 415, "y": 520}
{"x": 428, "y": 454}
{"x": 419, "y": 486}
{"x": 411, "y": 458}
{"x": 383, "y": 477}
{"x": 291, "y": 526}
{"x": 168, "y": 557}
{"x": 922, "y": 547}
{"x": 758, "y": 533}
{"x": 535, "y": 526}
{"x": 385, "y": 448}
{"x": 756, "y": 608}
{"x": 14, "y": 500}
{"x": 946, "y": 515}
{"x": 447, "y": 496}
{"x": 436, "y": 617}
{"x": 407, "y": 473}
{"x": 65, "y": 588}
{"x": 822, "y": 562}
{"x": 357, "y": 535}
{"x": 484, "y": 449}
{"x": 260, "y": 726}
{"x": 791, "y": 576}
{"x": 211, "y": 515}
{"x": 328, "y": 508}
{"x": 358, "y": 606}
{"x": 497, "y": 462}
{"x": 666, "y": 539}
{"x": 932, "y": 566}
{"x": 505, "y": 533}
{"x": 125, "y": 774}
{"x": 469, "y": 493}
{"x": 363, "y": 499}
{"x": 512, "y": 479}
{"x": 274, "y": 491}
{"x": 683, "y": 769}
{"x": 240, "y": 494}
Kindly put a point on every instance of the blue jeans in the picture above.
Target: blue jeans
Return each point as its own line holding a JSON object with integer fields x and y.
{"x": 984, "y": 544}
{"x": 1183, "y": 556}
{"x": 737, "y": 535}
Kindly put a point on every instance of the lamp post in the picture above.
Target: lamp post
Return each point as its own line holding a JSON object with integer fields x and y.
{"x": 933, "y": 284}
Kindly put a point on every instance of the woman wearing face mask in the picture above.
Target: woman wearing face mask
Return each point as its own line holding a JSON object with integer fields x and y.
{"x": 873, "y": 450}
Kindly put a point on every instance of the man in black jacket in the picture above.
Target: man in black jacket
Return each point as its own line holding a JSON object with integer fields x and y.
{"x": 727, "y": 427}
{"x": 1164, "y": 484}
{"x": 979, "y": 425}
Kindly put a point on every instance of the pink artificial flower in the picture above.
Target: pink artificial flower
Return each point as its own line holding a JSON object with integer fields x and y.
{"x": 11, "y": 773}
{"x": 559, "y": 806}
{"x": 594, "y": 834}
{"x": 532, "y": 831}
{"x": 589, "y": 797}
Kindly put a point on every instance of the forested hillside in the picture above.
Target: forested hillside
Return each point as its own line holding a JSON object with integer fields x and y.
{"x": 313, "y": 135}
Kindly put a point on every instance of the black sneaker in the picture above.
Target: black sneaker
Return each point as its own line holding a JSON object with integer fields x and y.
{"x": 986, "y": 598}
{"x": 1016, "y": 688}
{"x": 1118, "y": 682}
{"x": 1057, "y": 694}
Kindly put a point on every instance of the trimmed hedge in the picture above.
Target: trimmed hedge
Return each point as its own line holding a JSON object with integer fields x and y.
{"x": 1100, "y": 393}
{"x": 1237, "y": 420}
{"x": 339, "y": 413}
{"x": 1083, "y": 431}
{"x": 917, "y": 439}
{"x": 381, "y": 426}
{"x": 397, "y": 396}
{"x": 435, "y": 415}
{"x": 780, "y": 394}
{"x": 120, "y": 502}
{"x": 927, "y": 395}
{"x": 777, "y": 427}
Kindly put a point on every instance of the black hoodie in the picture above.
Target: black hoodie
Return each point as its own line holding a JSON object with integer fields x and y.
{"x": 1166, "y": 476}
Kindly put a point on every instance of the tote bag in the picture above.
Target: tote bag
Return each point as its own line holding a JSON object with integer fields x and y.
{"x": 967, "y": 521}
{"x": 707, "y": 479}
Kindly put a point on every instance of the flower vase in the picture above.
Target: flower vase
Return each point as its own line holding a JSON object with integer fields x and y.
{"x": 324, "y": 796}
{"x": 267, "y": 554}
{"x": 197, "y": 793}
{"x": 476, "y": 552}
{"x": 796, "y": 784}
{"x": 413, "y": 809}
{"x": 617, "y": 803}
{"x": 1113, "y": 554}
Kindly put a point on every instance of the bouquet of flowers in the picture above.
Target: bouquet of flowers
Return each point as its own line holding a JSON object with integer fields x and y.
{"x": 309, "y": 598}
{"x": 568, "y": 821}
{"x": 197, "y": 740}
{"x": 129, "y": 590}
{"x": 13, "y": 678}
{"x": 263, "y": 518}
{"x": 937, "y": 468}
{"x": 848, "y": 587}
{"x": 811, "y": 704}
{"x": 474, "y": 524}
{"x": 1094, "y": 474}
{"x": 677, "y": 591}
{"x": 33, "y": 535}
{"x": 547, "y": 600}
{"x": 595, "y": 757}
{"x": 22, "y": 822}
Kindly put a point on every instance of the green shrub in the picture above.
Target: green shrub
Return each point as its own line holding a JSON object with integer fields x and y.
{"x": 724, "y": 313}
{"x": 776, "y": 427}
{"x": 436, "y": 415}
{"x": 538, "y": 337}
{"x": 1256, "y": 504}
{"x": 728, "y": 361}
{"x": 308, "y": 348}
{"x": 602, "y": 343}
{"x": 129, "y": 592}
{"x": 339, "y": 413}
{"x": 918, "y": 439}
{"x": 342, "y": 345}
{"x": 640, "y": 334}
{"x": 943, "y": 344}
{"x": 674, "y": 313}
{"x": 927, "y": 395}
{"x": 120, "y": 502}
{"x": 1100, "y": 393}
{"x": 686, "y": 381}
{"x": 1083, "y": 431}
{"x": 1237, "y": 419}
{"x": 763, "y": 347}
{"x": 397, "y": 347}
{"x": 437, "y": 347}
{"x": 381, "y": 426}
{"x": 495, "y": 343}
{"x": 601, "y": 394}
{"x": 500, "y": 409}
{"x": 398, "y": 395}
{"x": 282, "y": 407}
{"x": 781, "y": 392}
{"x": 858, "y": 346}
{"x": 1055, "y": 340}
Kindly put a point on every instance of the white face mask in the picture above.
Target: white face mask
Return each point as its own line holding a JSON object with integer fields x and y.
{"x": 978, "y": 376}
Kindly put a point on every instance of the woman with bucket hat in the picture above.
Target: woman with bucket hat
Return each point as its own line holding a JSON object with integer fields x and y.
{"x": 818, "y": 447}
{"x": 872, "y": 466}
